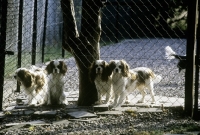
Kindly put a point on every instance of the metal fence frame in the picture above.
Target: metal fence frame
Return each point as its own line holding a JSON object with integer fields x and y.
{"x": 191, "y": 102}
{"x": 191, "y": 41}
{"x": 3, "y": 18}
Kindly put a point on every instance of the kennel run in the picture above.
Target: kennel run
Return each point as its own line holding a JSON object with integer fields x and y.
{"x": 31, "y": 34}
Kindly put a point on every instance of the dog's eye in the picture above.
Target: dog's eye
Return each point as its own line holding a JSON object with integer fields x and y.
{"x": 120, "y": 66}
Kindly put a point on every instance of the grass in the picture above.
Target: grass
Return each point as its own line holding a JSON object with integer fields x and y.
{"x": 179, "y": 129}
{"x": 51, "y": 53}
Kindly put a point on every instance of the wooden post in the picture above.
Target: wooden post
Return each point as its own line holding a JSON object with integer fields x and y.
{"x": 84, "y": 47}
{"x": 44, "y": 30}
{"x": 190, "y": 52}
{"x": 196, "y": 113}
{"x": 19, "y": 46}
{"x": 34, "y": 38}
{"x": 3, "y": 21}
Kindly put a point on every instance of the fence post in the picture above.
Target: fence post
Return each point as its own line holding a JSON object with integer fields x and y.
{"x": 34, "y": 38}
{"x": 19, "y": 47}
{"x": 44, "y": 30}
{"x": 117, "y": 24}
{"x": 196, "y": 113}
{"x": 3, "y": 21}
{"x": 63, "y": 53}
{"x": 190, "y": 52}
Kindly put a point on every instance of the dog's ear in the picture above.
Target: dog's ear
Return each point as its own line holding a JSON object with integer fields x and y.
{"x": 49, "y": 67}
{"x": 27, "y": 80}
{"x": 106, "y": 71}
{"x": 112, "y": 65}
{"x": 25, "y": 77}
{"x": 63, "y": 67}
{"x": 125, "y": 68}
{"x": 92, "y": 72}
{"x": 40, "y": 82}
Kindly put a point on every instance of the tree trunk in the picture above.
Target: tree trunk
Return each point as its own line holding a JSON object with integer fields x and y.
{"x": 84, "y": 47}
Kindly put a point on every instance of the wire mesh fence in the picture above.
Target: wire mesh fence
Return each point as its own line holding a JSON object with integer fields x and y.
{"x": 135, "y": 31}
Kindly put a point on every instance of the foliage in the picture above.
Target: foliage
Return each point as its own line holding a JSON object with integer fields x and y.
{"x": 144, "y": 18}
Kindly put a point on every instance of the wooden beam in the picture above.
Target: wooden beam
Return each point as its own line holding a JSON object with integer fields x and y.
{"x": 190, "y": 52}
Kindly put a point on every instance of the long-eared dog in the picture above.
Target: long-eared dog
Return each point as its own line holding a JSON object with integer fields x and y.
{"x": 34, "y": 83}
{"x": 100, "y": 74}
{"x": 127, "y": 80}
{"x": 56, "y": 71}
{"x": 170, "y": 54}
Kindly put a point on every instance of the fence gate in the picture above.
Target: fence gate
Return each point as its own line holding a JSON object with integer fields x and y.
{"x": 196, "y": 114}
{"x": 127, "y": 33}
{"x": 2, "y": 46}
{"x": 192, "y": 102}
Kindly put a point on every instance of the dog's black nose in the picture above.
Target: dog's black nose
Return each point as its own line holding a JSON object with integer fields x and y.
{"x": 56, "y": 70}
{"x": 98, "y": 69}
{"x": 116, "y": 70}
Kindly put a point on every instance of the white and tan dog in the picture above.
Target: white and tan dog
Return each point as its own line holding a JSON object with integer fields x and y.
{"x": 56, "y": 71}
{"x": 100, "y": 74}
{"x": 34, "y": 83}
{"x": 126, "y": 81}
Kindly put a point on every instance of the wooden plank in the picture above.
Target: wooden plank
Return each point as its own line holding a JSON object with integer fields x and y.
{"x": 81, "y": 114}
{"x": 100, "y": 108}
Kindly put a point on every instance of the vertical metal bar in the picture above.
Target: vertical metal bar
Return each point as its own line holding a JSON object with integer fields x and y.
{"x": 19, "y": 47}
{"x": 196, "y": 114}
{"x": 190, "y": 52}
{"x": 117, "y": 25}
{"x": 63, "y": 53}
{"x": 34, "y": 38}
{"x": 62, "y": 34}
{"x": 44, "y": 30}
{"x": 3, "y": 21}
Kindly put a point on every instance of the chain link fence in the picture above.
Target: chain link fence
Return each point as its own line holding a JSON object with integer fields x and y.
{"x": 136, "y": 31}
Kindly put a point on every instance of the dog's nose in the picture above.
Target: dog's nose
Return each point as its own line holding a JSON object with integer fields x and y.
{"x": 116, "y": 70}
{"x": 15, "y": 76}
{"x": 56, "y": 70}
{"x": 98, "y": 69}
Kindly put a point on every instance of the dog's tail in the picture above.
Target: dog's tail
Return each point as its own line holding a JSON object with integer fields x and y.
{"x": 169, "y": 53}
{"x": 157, "y": 78}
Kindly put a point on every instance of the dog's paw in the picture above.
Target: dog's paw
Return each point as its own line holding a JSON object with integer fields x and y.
{"x": 111, "y": 107}
{"x": 127, "y": 102}
{"x": 140, "y": 101}
{"x": 97, "y": 103}
{"x": 153, "y": 102}
{"x": 108, "y": 104}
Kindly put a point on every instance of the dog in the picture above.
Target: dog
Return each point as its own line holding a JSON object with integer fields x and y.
{"x": 56, "y": 71}
{"x": 170, "y": 54}
{"x": 125, "y": 81}
{"x": 34, "y": 82}
{"x": 100, "y": 74}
